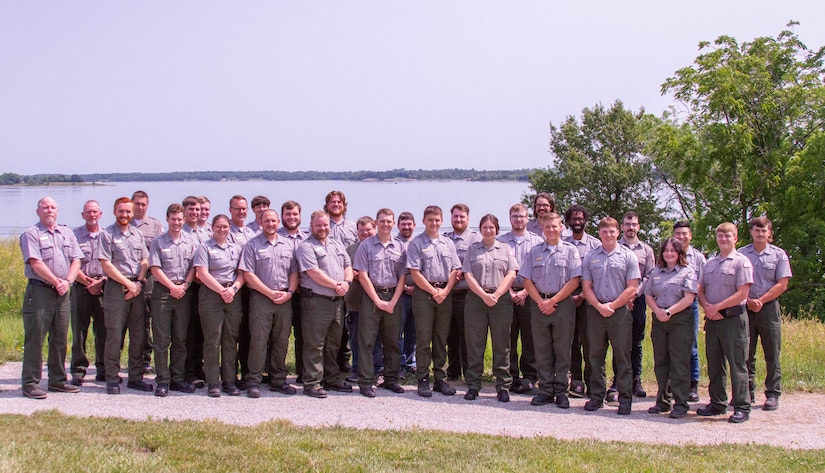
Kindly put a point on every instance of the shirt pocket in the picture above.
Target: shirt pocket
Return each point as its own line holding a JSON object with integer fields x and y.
{"x": 728, "y": 276}
{"x": 46, "y": 250}
{"x": 120, "y": 252}
{"x": 769, "y": 270}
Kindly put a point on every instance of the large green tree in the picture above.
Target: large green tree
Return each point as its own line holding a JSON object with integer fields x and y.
{"x": 599, "y": 162}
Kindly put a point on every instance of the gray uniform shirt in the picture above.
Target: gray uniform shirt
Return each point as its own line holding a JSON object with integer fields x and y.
{"x": 534, "y": 227}
{"x": 610, "y": 272}
{"x": 255, "y": 227}
{"x": 174, "y": 258}
{"x": 462, "y": 242}
{"x": 489, "y": 265}
{"x": 220, "y": 261}
{"x": 384, "y": 264}
{"x": 240, "y": 235}
{"x": 57, "y": 249}
{"x": 520, "y": 246}
{"x": 668, "y": 286}
{"x": 295, "y": 239}
{"x": 89, "y": 243}
{"x": 434, "y": 258}
{"x": 198, "y": 234}
{"x": 647, "y": 261}
{"x": 345, "y": 232}
{"x": 331, "y": 258}
{"x": 587, "y": 244}
{"x": 696, "y": 260}
{"x": 124, "y": 250}
{"x": 768, "y": 267}
{"x": 150, "y": 227}
{"x": 549, "y": 268}
{"x": 271, "y": 262}
{"x": 723, "y": 276}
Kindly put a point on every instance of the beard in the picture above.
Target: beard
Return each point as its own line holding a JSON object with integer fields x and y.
{"x": 124, "y": 220}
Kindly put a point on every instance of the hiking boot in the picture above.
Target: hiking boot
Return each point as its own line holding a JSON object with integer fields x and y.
{"x": 771, "y": 404}
{"x": 444, "y": 388}
{"x": 424, "y": 388}
{"x": 694, "y": 392}
{"x": 541, "y": 399}
{"x": 471, "y": 394}
{"x": 593, "y": 405}
{"x": 638, "y": 389}
{"x": 624, "y": 408}
{"x": 562, "y": 402}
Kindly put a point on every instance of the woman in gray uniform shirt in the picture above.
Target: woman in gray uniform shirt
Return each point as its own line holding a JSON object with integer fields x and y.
{"x": 669, "y": 292}
{"x": 489, "y": 268}
{"x": 216, "y": 264}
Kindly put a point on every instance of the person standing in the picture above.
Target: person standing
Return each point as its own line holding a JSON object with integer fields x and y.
{"x": 489, "y": 269}
{"x": 696, "y": 260}
{"x": 433, "y": 265}
{"x": 543, "y": 203}
{"x": 406, "y": 228}
{"x": 723, "y": 293}
{"x": 771, "y": 273}
{"x": 326, "y": 275}
{"x": 346, "y": 232}
{"x": 203, "y": 217}
{"x": 576, "y": 218}
{"x": 239, "y": 234}
{"x": 462, "y": 237}
{"x": 87, "y": 297}
{"x": 380, "y": 261}
{"x": 551, "y": 272}
{"x": 352, "y": 299}
{"x": 670, "y": 291}
{"x": 216, "y": 265}
{"x": 125, "y": 260}
{"x": 520, "y": 242}
{"x": 52, "y": 259}
{"x": 259, "y": 204}
{"x": 151, "y": 228}
{"x": 170, "y": 262}
{"x": 291, "y": 231}
{"x": 194, "y": 339}
{"x": 271, "y": 271}
{"x": 610, "y": 278}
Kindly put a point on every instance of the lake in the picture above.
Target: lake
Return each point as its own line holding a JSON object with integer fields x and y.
{"x": 19, "y": 204}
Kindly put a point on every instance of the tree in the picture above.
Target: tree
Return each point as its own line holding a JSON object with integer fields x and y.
{"x": 599, "y": 162}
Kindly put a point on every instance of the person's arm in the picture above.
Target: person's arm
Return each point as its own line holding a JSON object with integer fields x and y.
{"x": 775, "y": 291}
{"x": 627, "y": 295}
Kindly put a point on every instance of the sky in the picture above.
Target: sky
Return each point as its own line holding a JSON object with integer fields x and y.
{"x": 101, "y": 86}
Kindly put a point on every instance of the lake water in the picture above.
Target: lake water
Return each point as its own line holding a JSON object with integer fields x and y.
{"x": 18, "y": 204}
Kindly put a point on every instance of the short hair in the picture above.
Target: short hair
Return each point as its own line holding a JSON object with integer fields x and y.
{"x": 549, "y": 198}
{"x": 549, "y": 216}
{"x": 40, "y": 201}
{"x": 682, "y": 224}
{"x": 461, "y": 207}
{"x": 233, "y": 199}
{"x": 762, "y": 222}
{"x": 140, "y": 195}
{"x": 86, "y": 203}
{"x": 220, "y": 217}
{"x": 318, "y": 213}
{"x": 190, "y": 201}
{"x": 204, "y": 200}
{"x": 364, "y": 221}
{"x": 406, "y": 216}
{"x": 333, "y": 194}
{"x": 575, "y": 208}
{"x": 432, "y": 210}
{"x": 727, "y": 227}
{"x": 289, "y": 205}
{"x": 518, "y": 208}
{"x": 631, "y": 215}
{"x": 384, "y": 211}
{"x": 268, "y": 211}
{"x": 120, "y": 200}
{"x": 489, "y": 218}
{"x": 608, "y": 222}
{"x": 259, "y": 200}
{"x": 174, "y": 209}
{"x": 677, "y": 246}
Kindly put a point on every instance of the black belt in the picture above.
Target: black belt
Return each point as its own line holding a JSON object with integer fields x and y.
{"x": 227, "y": 284}
{"x": 308, "y": 293}
{"x": 37, "y": 282}
{"x": 438, "y": 285}
{"x": 384, "y": 290}
{"x": 178, "y": 283}
{"x": 489, "y": 291}
{"x": 459, "y": 291}
{"x": 733, "y": 311}
{"x": 545, "y": 295}
{"x": 517, "y": 289}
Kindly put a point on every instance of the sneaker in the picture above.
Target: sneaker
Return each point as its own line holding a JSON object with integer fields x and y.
{"x": 503, "y": 395}
{"x": 315, "y": 391}
{"x": 738, "y": 417}
{"x": 394, "y": 387}
{"x": 140, "y": 386}
{"x": 424, "y": 388}
{"x": 771, "y": 404}
{"x": 77, "y": 379}
{"x": 35, "y": 393}
{"x": 694, "y": 392}
{"x": 541, "y": 399}
{"x": 367, "y": 391}
{"x": 576, "y": 389}
{"x": 182, "y": 386}
{"x": 162, "y": 390}
{"x": 638, "y": 389}
{"x": 562, "y": 402}
{"x": 214, "y": 390}
{"x": 471, "y": 394}
{"x": 253, "y": 391}
{"x": 593, "y": 405}
{"x": 231, "y": 389}
{"x": 444, "y": 388}
{"x": 624, "y": 408}
{"x": 284, "y": 388}
{"x": 64, "y": 388}
{"x": 710, "y": 410}
{"x": 678, "y": 412}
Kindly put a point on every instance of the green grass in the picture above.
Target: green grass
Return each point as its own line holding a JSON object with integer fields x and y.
{"x": 54, "y": 442}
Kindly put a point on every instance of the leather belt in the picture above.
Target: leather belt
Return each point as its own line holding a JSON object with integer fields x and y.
{"x": 384, "y": 290}
{"x": 438, "y": 285}
{"x": 733, "y": 311}
{"x": 37, "y": 282}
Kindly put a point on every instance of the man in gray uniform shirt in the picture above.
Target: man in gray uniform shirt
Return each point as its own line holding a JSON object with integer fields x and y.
{"x": 52, "y": 260}
{"x": 124, "y": 259}
{"x": 326, "y": 275}
{"x": 543, "y": 203}
{"x": 291, "y": 230}
{"x": 345, "y": 231}
{"x": 259, "y": 204}
{"x": 406, "y": 228}
{"x": 239, "y": 234}
{"x": 151, "y": 228}
{"x": 87, "y": 297}
{"x": 194, "y": 339}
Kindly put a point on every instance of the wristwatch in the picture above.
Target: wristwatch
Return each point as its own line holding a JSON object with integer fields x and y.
{"x": 667, "y": 312}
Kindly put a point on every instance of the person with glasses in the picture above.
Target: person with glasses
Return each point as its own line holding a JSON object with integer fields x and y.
{"x": 543, "y": 203}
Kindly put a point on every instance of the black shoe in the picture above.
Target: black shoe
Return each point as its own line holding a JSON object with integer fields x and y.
{"x": 77, "y": 379}
{"x": 638, "y": 390}
{"x": 611, "y": 394}
{"x": 64, "y": 388}
{"x": 315, "y": 391}
{"x": 694, "y": 392}
{"x": 562, "y": 402}
{"x": 253, "y": 391}
{"x": 624, "y": 408}
{"x": 100, "y": 377}
{"x": 771, "y": 404}
{"x": 424, "y": 388}
{"x": 230, "y": 388}
{"x": 284, "y": 388}
{"x": 738, "y": 417}
{"x": 471, "y": 394}
{"x": 444, "y": 388}
{"x": 678, "y": 412}
{"x": 394, "y": 387}
{"x": 657, "y": 409}
{"x": 162, "y": 390}
{"x": 529, "y": 387}
{"x": 367, "y": 391}
{"x": 593, "y": 405}
{"x": 112, "y": 388}
{"x": 214, "y": 390}
{"x": 241, "y": 384}
{"x": 140, "y": 386}
{"x": 577, "y": 389}
{"x": 517, "y": 387}
{"x": 710, "y": 410}
{"x": 541, "y": 399}
{"x": 341, "y": 388}
{"x": 35, "y": 393}
{"x": 503, "y": 395}
{"x": 182, "y": 386}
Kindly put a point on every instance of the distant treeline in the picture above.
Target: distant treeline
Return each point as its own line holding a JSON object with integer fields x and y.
{"x": 395, "y": 174}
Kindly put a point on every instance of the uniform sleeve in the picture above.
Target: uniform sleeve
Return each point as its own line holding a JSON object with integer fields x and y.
{"x": 633, "y": 263}
{"x": 201, "y": 258}
{"x": 576, "y": 266}
{"x": 745, "y": 273}
{"x": 690, "y": 281}
{"x": 512, "y": 264}
{"x": 413, "y": 255}
{"x": 454, "y": 256}
{"x": 361, "y": 260}
{"x": 30, "y": 246}
{"x": 525, "y": 271}
{"x": 154, "y": 254}
{"x": 783, "y": 266}
{"x": 247, "y": 260}
{"x": 586, "y": 276}
{"x": 306, "y": 257}
{"x": 104, "y": 250}
{"x": 650, "y": 262}
{"x": 466, "y": 266}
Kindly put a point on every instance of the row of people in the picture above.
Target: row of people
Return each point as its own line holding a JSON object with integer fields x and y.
{"x": 498, "y": 297}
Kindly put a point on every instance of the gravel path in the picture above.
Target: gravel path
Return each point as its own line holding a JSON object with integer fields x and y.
{"x": 798, "y": 424}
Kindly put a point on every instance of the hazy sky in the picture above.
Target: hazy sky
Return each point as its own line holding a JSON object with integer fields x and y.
{"x": 99, "y": 86}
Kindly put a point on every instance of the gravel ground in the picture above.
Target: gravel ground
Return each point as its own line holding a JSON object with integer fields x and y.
{"x": 798, "y": 424}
